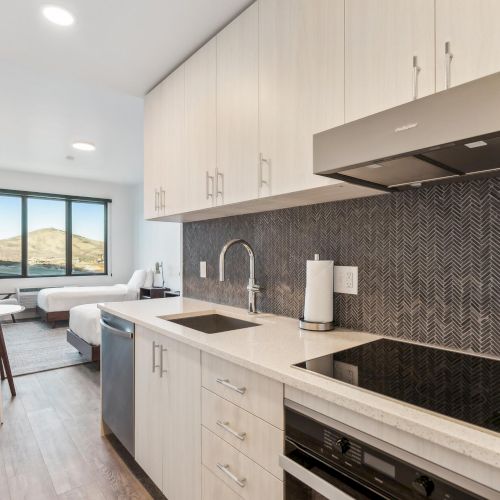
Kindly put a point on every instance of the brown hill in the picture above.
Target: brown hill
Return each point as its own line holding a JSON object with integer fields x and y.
{"x": 48, "y": 246}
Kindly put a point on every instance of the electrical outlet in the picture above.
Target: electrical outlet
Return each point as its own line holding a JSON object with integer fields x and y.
{"x": 345, "y": 279}
{"x": 203, "y": 269}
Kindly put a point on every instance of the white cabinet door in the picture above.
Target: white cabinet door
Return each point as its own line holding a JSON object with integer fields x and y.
{"x": 148, "y": 417}
{"x": 152, "y": 110}
{"x": 201, "y": 127}
{"x": 389, "y": 54}
{"x": 301, "y": 85}
{"x": 172, "y": 164}
{"x": 237, "y": 108}
{"x": 181, "y": 417}
{"x": 468, "y": 31}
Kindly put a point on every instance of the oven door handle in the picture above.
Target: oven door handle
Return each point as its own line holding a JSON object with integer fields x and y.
{"x": 316, "y": 483}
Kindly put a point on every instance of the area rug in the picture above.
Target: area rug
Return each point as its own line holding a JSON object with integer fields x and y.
{"x": 35, "y": 347}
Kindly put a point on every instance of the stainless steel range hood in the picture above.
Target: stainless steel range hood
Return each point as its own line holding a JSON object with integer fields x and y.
{"x": 451, "y": 135}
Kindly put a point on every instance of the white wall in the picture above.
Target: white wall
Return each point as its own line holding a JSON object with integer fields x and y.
{"x": 122, "y": 217}
{"x": 157, "y": 242}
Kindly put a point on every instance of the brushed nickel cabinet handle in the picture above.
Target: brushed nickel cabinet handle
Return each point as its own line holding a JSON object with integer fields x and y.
{"x": 163, "y": 198}
{"x": 154, "y": 346}
{"x": 226, "y": 383}
{"x": 219, "y": 187}
{"x": 156, "y": 200}
{"x": 416, "y": 71}
{"x": 225, "y": 425}
{"x": 225, "y": 469}
{"x": 263, "y": 182}
{"x": 209, "y": 179}
{"x": 449, "y": 57}
{"x": 162, "y": 351}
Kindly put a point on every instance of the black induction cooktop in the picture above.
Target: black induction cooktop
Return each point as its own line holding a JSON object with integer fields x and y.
{"x": 458, "y": 385}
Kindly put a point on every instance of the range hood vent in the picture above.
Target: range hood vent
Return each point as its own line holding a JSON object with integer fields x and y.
{"x": 448, "y": 136}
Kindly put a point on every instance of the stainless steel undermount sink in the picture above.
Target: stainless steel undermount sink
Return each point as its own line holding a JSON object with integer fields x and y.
{"x": 211, "y": 323}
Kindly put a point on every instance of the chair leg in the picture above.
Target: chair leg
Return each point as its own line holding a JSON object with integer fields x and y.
{"x": 13, "y": 318}
{"x": 5, "y": 360}
{"x": 2, "y": 372}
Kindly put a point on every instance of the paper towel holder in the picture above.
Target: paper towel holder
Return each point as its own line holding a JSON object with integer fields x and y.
{"x": 313, "y": 326}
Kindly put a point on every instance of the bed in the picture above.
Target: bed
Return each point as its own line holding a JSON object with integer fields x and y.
{"x": 84, "y": 332}
{"x": 54, "y": 304}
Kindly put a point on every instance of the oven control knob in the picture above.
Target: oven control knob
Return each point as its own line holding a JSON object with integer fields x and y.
{"x": 342, "y": 445}
{"x": 423, "y": 485}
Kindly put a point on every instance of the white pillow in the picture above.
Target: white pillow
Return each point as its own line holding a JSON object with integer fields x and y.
{"x": 137, "y": 279}
{"x": 148, "y": 282}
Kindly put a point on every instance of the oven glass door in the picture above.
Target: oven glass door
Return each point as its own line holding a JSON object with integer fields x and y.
{"x": 307, "y": 478}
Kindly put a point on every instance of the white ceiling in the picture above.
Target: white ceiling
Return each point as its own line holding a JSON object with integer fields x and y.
{"x": 86, "y": 82}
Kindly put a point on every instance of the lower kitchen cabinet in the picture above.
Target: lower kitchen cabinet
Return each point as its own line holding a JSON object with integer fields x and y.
{"x": 168, "y": 414}
{"x": 241, "y": 474}
{"x": 148, "y": 421}
{"x": 214, "y": 489}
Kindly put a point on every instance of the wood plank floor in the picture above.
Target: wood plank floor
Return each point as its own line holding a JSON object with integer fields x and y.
{"x": 50, "y": 442}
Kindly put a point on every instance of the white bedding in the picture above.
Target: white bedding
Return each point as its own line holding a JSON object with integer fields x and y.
{"x": 84, "y": 321}
{"x": 63, "y": 299}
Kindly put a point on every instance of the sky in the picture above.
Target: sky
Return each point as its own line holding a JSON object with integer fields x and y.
{"x": 88, "y": 219}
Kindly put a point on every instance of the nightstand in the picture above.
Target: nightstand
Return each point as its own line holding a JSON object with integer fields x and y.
{"x": 156, "y": 293}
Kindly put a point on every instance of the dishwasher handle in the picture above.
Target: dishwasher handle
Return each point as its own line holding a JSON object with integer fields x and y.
{"x": 316, "y": 483}
{"x": 116, "y": 331}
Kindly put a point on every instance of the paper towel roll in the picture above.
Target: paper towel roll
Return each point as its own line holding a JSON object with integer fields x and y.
{"x": 318, "y": 305}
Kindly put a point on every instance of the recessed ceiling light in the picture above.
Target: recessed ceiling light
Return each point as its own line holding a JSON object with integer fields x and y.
{"x": 58, "y": 15}
{"x": 84, "y": 146}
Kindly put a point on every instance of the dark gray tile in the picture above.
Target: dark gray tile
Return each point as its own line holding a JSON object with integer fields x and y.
{"x": 429, "y": 261}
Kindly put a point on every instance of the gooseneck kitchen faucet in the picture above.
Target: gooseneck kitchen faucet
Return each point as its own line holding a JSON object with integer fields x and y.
{"x": 253, "y": 288}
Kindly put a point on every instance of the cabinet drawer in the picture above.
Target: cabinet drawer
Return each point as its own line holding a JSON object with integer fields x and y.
{"x": 259, "y": 395}
{"x": 254, "y": 437}
{"x": 215, "y": 489}
{"x": 246, "y": 478}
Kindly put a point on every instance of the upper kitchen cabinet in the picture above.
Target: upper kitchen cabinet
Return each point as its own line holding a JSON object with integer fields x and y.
{"x": 238, "y": 109}
{"x": 301, "y": 87}
{"x": 152, "y": 131}
{"x": 467, "y": 40}
{"x": 389, "y": 54}
{"x": 200, "y": 119}
{"x": 172, "y": 167}
{"x": 164, "y": 147}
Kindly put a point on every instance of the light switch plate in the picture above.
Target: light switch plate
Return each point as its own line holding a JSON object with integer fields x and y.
{"x": 345, "y": 279}
{"x": 203, "y": 269}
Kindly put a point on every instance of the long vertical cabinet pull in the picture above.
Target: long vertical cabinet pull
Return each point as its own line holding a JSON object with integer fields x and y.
{"x": 264, "y": 161}
{"x": 155, "y": 346}
{"x": 209, "y": 180}
{"x": 448, "y": 58}
{"x": 162, "y": 199}
{"x": 162, "y": 351}
{"x": 156, "y": 200}
{"x": 416, "y": 71}
{"x": 219, "y": 187}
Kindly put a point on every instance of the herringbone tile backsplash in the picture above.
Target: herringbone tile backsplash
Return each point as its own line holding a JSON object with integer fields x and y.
{"x": 429, "y": 262}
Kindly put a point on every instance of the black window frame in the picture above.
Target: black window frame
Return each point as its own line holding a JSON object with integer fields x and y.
{"x": 68, "y": 199}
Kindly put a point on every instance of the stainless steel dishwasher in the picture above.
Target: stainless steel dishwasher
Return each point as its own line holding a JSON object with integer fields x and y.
{"x": 117, "y": 377}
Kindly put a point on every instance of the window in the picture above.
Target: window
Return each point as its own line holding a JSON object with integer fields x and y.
{"x": 46, "y": 237}
{"x": 10, "y": 236}
{"x": 88, "y": 228}
{"x": 52, "y": 235}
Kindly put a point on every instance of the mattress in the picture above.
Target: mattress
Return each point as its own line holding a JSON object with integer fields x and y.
{"x": 63, "y": 299}
{"x": 84, "y": 321}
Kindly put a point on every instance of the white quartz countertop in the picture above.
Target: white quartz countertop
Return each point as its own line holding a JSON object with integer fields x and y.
{"x": 278, "y": 343}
